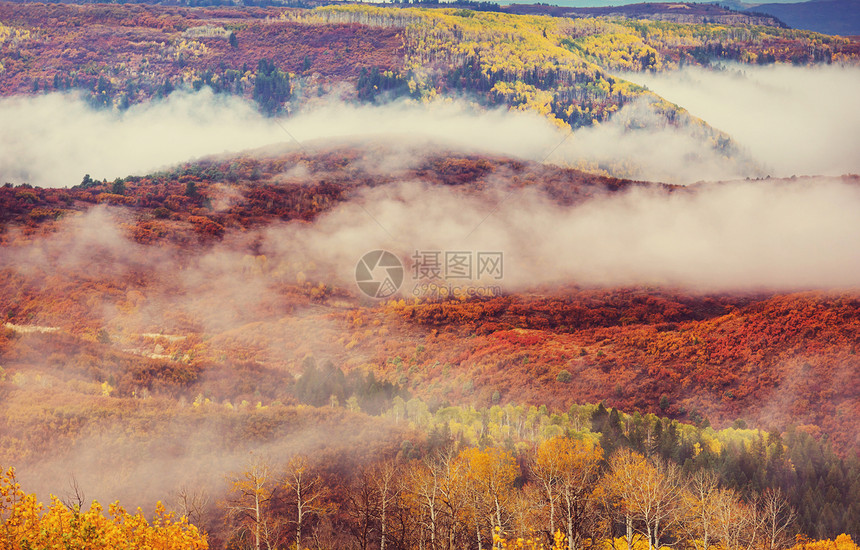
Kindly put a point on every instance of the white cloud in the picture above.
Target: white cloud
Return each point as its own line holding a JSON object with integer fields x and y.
{"x": 788, "y": 120}
{"x": 53, "y": 140}
{"x": 792, "y": 120}
{"x": 733, "y": 236}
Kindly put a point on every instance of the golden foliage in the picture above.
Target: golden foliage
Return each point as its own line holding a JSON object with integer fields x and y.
{"x": 559, "y": 543}
{"x": 842, "y": 542}
{"x": 25, "y": 523}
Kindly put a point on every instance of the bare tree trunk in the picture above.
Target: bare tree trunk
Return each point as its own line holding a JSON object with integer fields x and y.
{"x": 309, "y": 492}
{"x": 778, "y": 517}
{"x": 498, "y": 513}
{"x": 570, "y": 544}
{"x": 629, "y": 519}
{"x": 382, "y": 525}
{"x": 432, "y": 509}
{"x": 257, "y": 522}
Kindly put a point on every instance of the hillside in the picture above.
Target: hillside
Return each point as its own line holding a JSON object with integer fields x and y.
{"x": 658, "y": 11}
{"x": 840, "y": 17}
{"x": 167, "y": 317}
{"x": 421, "y": 276}
{"x": 118, "y": 63}
{"x": 720, "y": 357}
{"x": 562, "y": 68}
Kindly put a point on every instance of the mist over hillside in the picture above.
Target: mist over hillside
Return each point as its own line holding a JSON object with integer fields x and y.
{"x": 419, "y": 277}
{"x": 792, "y": 121}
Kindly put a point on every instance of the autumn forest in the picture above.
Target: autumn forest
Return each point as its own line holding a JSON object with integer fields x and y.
{"x": 187, "y": 197}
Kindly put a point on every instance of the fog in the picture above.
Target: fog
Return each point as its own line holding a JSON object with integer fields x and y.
{"x": 53, "y": 140}
{"x": 199, "y": 455}
{"x": 740, "y": 236}
{"x": 733, "y": 236}
{"x": 156, "y": 446}
{"x": 792, "y": 120}
{"x": 786, "y": 120}
{"x": 736, "y": 236}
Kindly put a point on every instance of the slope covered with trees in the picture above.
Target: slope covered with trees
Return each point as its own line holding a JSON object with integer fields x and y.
{"x": 162, "y": 332}
{"x": 152, "y": 325}
{"x": 560, "y": 67}
{"x": 564, "y": 67}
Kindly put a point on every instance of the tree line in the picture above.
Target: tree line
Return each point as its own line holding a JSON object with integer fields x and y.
{"x": 564, "y": 493}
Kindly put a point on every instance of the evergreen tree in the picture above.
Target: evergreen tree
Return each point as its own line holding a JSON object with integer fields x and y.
{"x": 272, "y": 87}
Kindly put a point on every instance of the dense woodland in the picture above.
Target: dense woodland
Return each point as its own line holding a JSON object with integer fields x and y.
{"x": 430, "y": 391}
{"x": 633, "y": 482}
{"x": 288, "y": 59}
{"x": 285, "y": 60}
{"x": 561, "y": 67}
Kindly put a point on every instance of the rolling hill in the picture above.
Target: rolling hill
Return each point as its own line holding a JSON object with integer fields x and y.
{"x": 540, "y": 346}
{"x": 840, "y": 17}
{"x": 148, "y": 316}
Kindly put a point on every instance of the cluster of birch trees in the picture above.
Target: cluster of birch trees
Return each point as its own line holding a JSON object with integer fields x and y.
{"x": 565, "y": 489}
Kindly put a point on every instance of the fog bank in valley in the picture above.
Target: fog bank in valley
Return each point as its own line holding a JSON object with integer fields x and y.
{"x": 735, "y": 236}
{"x": 786, "y": 121}
{"x": 792, "y": 120}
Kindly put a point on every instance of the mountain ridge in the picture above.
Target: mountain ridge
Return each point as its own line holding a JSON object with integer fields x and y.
{"x": 837, "y": 17}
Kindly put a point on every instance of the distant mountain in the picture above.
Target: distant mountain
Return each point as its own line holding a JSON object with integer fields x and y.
{"x": 736, "y": 5}
{"x": 840, "y": 17}
{"x": 657, "y": 11}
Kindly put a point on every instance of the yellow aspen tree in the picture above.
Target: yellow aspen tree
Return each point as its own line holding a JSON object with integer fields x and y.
{"x": 567, "y": 471}
{"x": 250, "y": 493}
{"x": 491, "y": 472}
{"x": 307, "y": 493}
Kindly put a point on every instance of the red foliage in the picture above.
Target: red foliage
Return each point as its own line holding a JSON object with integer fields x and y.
{"x": 772, "y": 360}
{"x": 130, "y": 45}
{"x": 206, "y": 227}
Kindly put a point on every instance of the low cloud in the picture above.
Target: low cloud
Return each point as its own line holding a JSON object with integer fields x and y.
{"x": 787, "y": 120}
{"x": 791, "y": 120}
{"x": 639, "y": 143}
{"x": 738, "y": 236}
{"x": 782, "y": 235}
{"x": 53, "y": 140}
